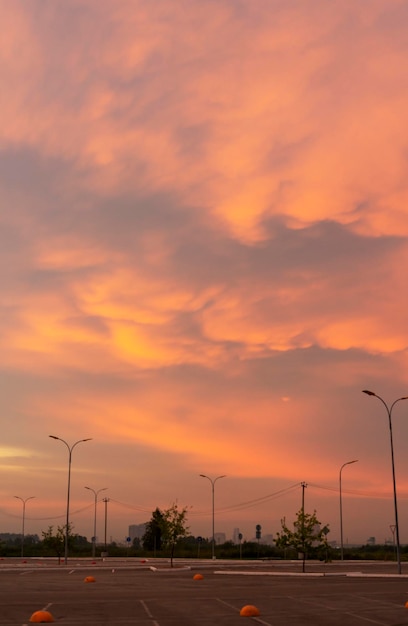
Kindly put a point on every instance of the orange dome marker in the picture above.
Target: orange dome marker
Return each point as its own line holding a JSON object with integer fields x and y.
{"x": 198, "y": 577}
{"x": 41, "y": 617}
{"x": 89, "y": 579}
{"x": 249, "y": 610}
{"x": 406, "y": 605}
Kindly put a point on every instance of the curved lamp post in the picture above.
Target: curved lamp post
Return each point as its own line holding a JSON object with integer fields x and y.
{"x": 341, "y": 507}
{"x": 22, "y": 532}
{"x": 94, "y": 529}
{"x": 106, "y": 500}
{"x": 70, "y": 449}
{"x": 389, "y": 413}
{"x": 213, "y": 481}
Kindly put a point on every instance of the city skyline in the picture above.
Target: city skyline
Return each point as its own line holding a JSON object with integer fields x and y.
{"x": 203, "y": 245}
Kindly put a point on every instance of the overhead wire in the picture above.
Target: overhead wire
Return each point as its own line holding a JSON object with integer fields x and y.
{"x": 247, "y": 504}
{"x": 257, "y": 501}
{"x": 365, "y": 494}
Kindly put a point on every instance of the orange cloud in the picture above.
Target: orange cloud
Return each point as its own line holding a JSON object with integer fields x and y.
{"x": 203, "y": 214}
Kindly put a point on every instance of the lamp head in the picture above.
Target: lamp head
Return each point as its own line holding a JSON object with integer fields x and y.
{"x": 369, "y": 393}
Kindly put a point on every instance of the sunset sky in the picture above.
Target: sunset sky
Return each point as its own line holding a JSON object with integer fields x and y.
{"x": 204, "y": 251}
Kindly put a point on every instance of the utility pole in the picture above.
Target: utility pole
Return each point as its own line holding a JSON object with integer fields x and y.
{"x": 303, "y": 485}
{"x": 106, "y": 500}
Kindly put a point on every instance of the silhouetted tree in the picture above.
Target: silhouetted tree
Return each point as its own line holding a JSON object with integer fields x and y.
{"x": 56, "y": 542}
{"x": 174, "y": 527}
{"x": 152, "y": 538}
{"x": 136, "y": 543}
{"x": 307, "y": 533}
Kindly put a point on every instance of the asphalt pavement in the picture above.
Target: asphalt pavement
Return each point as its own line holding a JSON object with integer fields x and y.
{"x": 151, "y": 593}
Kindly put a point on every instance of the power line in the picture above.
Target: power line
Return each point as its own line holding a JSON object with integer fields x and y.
{"x": 133, "y": 507}
{"x": 52, "y": 517}
{"x": 365, "y": 494}
{"x": 257, "y": 501}
{"x": 228, "y": 509}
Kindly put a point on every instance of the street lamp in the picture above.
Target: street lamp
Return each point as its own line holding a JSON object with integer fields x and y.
{"x": 389, "y": 413}
{"x": 22, "y": 532}
{"x": 70, "y": 449}
{"x": 341, "y": 508}
{"x": 212, "y": 481}
{"x": 106, "y": 500}
{"x": 94, "y": 530}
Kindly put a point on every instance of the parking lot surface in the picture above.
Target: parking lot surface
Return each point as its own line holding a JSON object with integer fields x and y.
{"x": 126, "y": 592}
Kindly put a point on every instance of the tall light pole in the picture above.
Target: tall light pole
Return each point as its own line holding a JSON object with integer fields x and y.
{"x": 70, "y": 449}
{"x": 389, "y": 413}
{"x": 94, "y": 528}
{"x": 341, "y": 507}
{"x": 22, "y": 532}
{"x": 106, "y": 500}
{"x": 213, "y": 481}
{"x": 303, "y": 485}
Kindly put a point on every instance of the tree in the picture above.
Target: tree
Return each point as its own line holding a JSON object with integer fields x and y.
{"x": 136, "y": 543}
{"x": 307, "y": 533}
{"x": 174, "y": 528}
{"x": 56, "y": 542}
{"x": 152, "y": 538}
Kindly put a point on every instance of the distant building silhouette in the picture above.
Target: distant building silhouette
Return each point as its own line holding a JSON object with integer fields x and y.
{"x": 136, "y": 531}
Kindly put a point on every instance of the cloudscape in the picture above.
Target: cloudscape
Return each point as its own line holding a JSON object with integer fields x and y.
{"x": 204, "y": 242}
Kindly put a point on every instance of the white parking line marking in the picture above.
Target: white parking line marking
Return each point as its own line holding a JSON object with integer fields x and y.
{"x": 148, "y": 613}
{"x": 329, "y": 608}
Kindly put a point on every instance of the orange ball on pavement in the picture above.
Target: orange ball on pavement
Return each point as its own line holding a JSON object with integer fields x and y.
{"x": 249, "y": 610}
{"x": 41, "y": 617}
